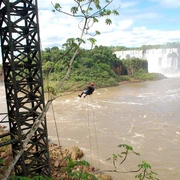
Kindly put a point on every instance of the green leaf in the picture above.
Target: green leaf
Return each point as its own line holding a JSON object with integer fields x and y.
{"x": 74, "y": 10}
{"x": 144, "y": 165}
{"x": 83, "y": 162}
{"x": 108, "y": 159}
{"x": 97, "y": 4}
{"x": 92, "y": 40}
{"x": 95, "y": 20}
{"x": 108, "y": 12}
{"x": 127, "y": 147}
{"x": 57, "y": 6}
{"x": 108, "y": 21}
{"x": 83, "y": 11}
{"x": 71, "y": 163}
{"x": 97, "y": 32}
{"x": 90, "y": 8}
{"x": 101, "y": 14}
{"x": 115, "y": 156}
{"x": 139, "y": 176}
{"x": 80, "y": 40}
{"x": 1, "y": 161}
{"x": 136, "y": 153}
{"x": 115, "y": 12}
{"x": 18, "y": 178}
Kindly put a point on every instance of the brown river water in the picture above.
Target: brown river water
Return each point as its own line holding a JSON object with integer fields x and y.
{"x": 143, "y": 115}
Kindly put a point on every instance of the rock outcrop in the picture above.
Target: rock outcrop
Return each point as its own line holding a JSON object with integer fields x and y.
{"x": 59, "y": 159}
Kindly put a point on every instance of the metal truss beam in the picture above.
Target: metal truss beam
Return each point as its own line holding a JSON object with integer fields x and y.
{"x": 20, "y": 44}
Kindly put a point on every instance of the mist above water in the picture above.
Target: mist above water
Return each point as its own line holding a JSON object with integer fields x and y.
{"x": 165, "y": 61}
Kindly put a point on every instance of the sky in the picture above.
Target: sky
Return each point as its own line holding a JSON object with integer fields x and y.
{"x": 139, "y": 23}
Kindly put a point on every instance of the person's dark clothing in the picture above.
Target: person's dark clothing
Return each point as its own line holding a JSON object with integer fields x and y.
{"x": 88, "y": 91}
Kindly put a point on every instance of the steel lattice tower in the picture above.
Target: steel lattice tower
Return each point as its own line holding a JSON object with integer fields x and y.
{"x": 20, "y": 44}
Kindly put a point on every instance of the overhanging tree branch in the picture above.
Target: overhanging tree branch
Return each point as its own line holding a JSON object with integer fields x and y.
{"x": 87, "y": 18}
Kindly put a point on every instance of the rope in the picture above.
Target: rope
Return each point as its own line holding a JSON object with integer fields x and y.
{"x": 95, "y": 130}
{"x": 89, "y": 130}
{"x": 56, "y": 125}
{"x": 53, "y": 112}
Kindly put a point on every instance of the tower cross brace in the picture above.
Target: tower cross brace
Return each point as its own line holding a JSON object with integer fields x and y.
{"x": 21, "y": 56}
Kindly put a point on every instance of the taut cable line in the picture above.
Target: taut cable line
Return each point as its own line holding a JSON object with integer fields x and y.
{"x": 95, "y": 130}
{"x": 89, "y": 131}
{"x": 57, "y": 133}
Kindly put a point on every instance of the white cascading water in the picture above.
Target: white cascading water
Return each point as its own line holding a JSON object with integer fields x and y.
{"x": 165, "y": 61}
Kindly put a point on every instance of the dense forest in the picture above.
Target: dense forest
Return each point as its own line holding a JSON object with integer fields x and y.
{"x": 99, "y": 65}
{"x": 146, "y": 47}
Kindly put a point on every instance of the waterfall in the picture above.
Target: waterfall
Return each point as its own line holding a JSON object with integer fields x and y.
{"x": 165, "y": 61}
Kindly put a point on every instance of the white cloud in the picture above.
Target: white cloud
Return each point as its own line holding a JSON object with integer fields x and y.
{"x": 142, "y": 36}
{"x": 139, "y": 30}
{"x": 168, "y": 3}
{"x": 127, "y": 4}
{"x": 134, "y": 27}
{"x": 123, "y": 25}
{"x": 56, "y": 28}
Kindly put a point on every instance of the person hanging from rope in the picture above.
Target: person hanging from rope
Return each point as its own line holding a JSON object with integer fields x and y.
{"x": 89, "y": 90}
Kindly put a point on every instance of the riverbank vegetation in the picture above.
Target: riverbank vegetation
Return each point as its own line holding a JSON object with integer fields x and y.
{"x": 99, "y": 65}
{"x": 148, "y": 47}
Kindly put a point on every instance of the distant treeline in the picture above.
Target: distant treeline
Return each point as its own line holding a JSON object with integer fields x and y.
{"x": 146, "y": 47}
{"x": 99, "y": 65}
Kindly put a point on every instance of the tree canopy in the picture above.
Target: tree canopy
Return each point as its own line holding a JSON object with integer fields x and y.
{"x": 99, "y": 65}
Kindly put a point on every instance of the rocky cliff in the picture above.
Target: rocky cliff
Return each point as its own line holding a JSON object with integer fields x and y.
{"x": 159, "y": 60}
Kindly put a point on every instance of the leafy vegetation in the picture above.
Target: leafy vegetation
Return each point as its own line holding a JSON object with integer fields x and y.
{"x": 147, "y": 47}
{"x": 96, "y": 65}
{"x": 75, "y": 170}
{"x": 144, "y": 76}
{"x": 144, "y": 169}
{"x": 81, "y": 169}
{"x": 89, "y": 12}
{"x": 26, "y": 178}
{"x": 99, "y": 65}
